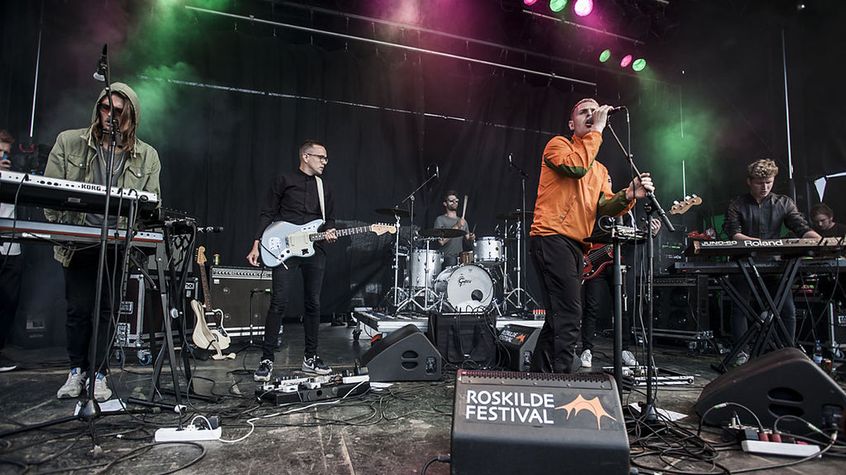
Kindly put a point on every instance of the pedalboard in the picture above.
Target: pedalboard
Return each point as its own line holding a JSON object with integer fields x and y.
{"x": 287, "y": 390}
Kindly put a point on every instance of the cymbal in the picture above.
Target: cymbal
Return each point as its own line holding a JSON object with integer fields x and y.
{"x": 514, "y": 215}
{"x": 393, "y": 212}
{"x": 441, "y": 233}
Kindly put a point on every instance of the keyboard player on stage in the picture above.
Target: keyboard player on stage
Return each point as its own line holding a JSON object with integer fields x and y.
{"x": 81, "y": 155}
{"x": 758, "y": 215}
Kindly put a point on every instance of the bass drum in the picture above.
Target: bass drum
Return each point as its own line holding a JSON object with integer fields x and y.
{"x": 465, "y": 288}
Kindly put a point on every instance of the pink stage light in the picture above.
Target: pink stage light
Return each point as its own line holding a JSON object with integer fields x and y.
{"x": 529, "y": 3}
{"x": 583, "y": 7}
{"x": 626, "y": 61}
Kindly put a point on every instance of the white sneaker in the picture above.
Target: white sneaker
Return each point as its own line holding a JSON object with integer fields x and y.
{"x": 629, "y": 358}
{"x": 101, "y": 388}
{"x": 742, "y": 358}
{"x": 73, "y": 386}
{"x": 587, "y": 359}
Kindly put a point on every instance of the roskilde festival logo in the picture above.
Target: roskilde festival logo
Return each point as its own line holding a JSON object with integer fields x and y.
{"x": 517, "y": 407}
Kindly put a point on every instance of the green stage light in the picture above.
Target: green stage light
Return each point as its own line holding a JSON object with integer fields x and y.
{"x": 557, "y": 5}
{"x": 605, "y": 55}
{"x": 639, "y": 64}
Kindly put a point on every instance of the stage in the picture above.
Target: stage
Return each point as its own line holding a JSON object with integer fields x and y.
{"x": 392, "y": 430}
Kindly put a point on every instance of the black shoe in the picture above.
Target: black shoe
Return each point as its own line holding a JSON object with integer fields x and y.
{"x": 315, "y": 365}
{"x": 264, "y": 371}
{"x": 6, "y": 364}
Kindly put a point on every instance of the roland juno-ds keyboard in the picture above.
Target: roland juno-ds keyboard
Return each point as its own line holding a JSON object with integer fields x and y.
{"x": 19, "y": 230}
{"x": 765, "y": 267}
{"x": 59, "y": 194}
{"x": 789, "y": 247}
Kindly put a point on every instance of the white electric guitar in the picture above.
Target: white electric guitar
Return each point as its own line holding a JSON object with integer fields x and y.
{"x": 204, "y": 337}
{"x": 283, "y": 240}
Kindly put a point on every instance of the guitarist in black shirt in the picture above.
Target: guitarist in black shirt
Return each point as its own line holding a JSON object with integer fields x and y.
{"x": 295, "y": 197}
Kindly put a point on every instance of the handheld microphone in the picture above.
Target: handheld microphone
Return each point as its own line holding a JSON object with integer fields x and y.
{"x": 102, "y": 65}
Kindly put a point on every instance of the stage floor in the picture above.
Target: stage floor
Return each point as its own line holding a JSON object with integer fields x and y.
{"x": 392, "y": 431}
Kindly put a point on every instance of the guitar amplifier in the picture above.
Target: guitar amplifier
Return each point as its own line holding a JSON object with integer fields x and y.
{"x": 243, "y": 294}
{"x": 516, "y": 346}
{"x": 141, "y": 311}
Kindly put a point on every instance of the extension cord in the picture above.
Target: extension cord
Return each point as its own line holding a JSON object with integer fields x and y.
{"x": 779, "y": 448}
{"x": 188, "y": 434}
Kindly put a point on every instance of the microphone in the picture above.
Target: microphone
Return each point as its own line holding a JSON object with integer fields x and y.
{"x": 210, "y": 229}
{"x": 102, "y": 65}
{"x": 614, "y": 110}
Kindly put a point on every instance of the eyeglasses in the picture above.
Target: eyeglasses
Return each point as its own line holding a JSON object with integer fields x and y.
{"x": 104, "y": 107}
{"x": 322, "y": 158}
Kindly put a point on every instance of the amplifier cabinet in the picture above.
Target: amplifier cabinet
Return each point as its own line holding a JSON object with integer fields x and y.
{"x": 243, "y": 294}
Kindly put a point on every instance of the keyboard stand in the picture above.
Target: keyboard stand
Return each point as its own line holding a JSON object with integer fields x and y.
{"x": 766, "y": 330}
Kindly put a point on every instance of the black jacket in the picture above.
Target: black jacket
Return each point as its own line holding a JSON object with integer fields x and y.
{"x": 764, "y": 220}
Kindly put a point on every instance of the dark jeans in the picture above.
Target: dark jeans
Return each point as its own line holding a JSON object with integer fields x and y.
{"x": 312, "y": 269}
{"x": 10, "y": 286}
{"x": 80, "y": 292}
{"x": 739, "y": 323}
{"x": 596, "y": 290}
{"x": 558, "y": 262}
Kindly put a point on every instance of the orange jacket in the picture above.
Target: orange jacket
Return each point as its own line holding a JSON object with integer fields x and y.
{"x": 574, "y": 190}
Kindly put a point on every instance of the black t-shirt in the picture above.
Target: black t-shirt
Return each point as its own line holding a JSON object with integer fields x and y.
{"x": 838, "y": 230}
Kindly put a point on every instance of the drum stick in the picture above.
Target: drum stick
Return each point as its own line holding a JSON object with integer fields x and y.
{"x": 464, "y": 209}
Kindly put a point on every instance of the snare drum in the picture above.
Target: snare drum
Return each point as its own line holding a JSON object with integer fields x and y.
{"x": 488, "y": 250}
{"x": 467, "y": 288}
{"x": 425, "y": 266}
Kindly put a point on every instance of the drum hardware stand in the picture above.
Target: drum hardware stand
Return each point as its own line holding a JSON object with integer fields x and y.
{"x": 519, "y": 303}
{"x": 412, "y": 298}
{"x": 394, "y": 292}
{"x": 652, "y": 206}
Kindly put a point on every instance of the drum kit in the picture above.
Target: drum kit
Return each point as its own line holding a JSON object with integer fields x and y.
{"x": 478, "y": 283}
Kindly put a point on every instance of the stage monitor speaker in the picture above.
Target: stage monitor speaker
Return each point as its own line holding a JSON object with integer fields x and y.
{"x": 516, "y": 346}
{"x": 779, "y": 383}
{"x": 404, "y": 355}
{"x": 681, "y": 303}
{"x": 516, "y": 423}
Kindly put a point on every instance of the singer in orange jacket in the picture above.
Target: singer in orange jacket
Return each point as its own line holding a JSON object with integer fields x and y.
{"x": 572, "y": 191}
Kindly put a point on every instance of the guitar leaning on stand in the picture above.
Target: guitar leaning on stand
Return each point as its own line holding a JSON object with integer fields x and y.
{"x": 203, "y": 336}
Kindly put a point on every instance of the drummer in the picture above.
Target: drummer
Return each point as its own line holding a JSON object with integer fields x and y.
{"x": 453, "y": 247}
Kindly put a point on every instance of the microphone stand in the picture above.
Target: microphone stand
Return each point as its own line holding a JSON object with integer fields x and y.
{"x": 522, "y": 261}
{"x": 91, "y": 409}
{"x": 410, "y": 199}
{"x": 652, "y": 206}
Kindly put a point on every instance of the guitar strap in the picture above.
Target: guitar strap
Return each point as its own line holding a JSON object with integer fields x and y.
{"x": 320, "y": 196}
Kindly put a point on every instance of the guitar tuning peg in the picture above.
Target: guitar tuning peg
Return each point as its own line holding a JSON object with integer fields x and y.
{"x": 693, "y": 195}
{"x": 675, "y": 202}
{"x": 687, "y": 197}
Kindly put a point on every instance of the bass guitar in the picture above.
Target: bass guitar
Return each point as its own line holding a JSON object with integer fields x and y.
{"x": 204, "y": 337}
{"x": 283, "y": 240}
{"x": 598, "y": 257}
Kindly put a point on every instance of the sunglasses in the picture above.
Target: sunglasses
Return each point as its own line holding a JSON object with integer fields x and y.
{"x": 104, "y": 107}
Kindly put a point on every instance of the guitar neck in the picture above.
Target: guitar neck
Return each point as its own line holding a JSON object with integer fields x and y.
{"x": 205, "y": 283}
{"x": 340, "y": 233}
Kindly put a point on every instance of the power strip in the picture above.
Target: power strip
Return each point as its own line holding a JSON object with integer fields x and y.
{"x": 779, "y": 448}
{"x": 188, "y": 434}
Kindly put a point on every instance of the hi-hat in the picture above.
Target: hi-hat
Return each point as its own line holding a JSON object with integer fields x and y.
{"x": 441, "y": 233}
{"x": 514, "y": 215}
{"x": 393, "y": 212}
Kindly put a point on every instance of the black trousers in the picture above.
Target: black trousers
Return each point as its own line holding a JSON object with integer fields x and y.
{"x": 10, "y": 287}
{"x": 739, "y": 323}
{"x": 312, "y": 269}
{"x": 558, "y": 263}
{"x": 595, "y": 291}
{"x": 80, "y": 292}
